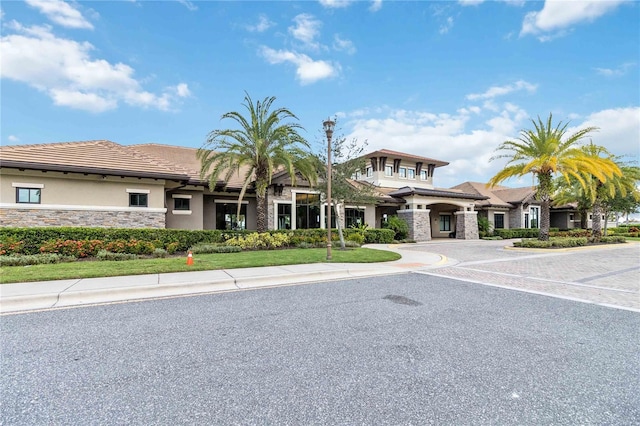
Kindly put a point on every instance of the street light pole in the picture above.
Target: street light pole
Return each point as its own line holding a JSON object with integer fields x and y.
{"x": 328, "y": 125}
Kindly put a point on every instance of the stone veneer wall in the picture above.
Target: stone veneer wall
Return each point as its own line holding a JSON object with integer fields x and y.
{"x": 467, "y": 225}
{"x": 419, "y": 223}
{"x": 515, "y": 217}
{"x": 101, "y": 219}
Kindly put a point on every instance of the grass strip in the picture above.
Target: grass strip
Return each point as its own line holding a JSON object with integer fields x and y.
{"x": 202, "y": 262}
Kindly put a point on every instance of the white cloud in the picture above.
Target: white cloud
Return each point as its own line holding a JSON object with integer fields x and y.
{"x": 306, "y": 29}
{"x": 189, "y": 5}
{"x": 619, "y": 130}
{"x": 444, "y": 28}
{"x": 376, "y": 5}
{"x": 557, "y": 16}
{"x": 13, "y": 139}
{"x": 335, "y": 4}
{"x": 458, "y": 138}
{"x": 263, "y": 24}
{"x": 307, "y": 70}
{"x": 470, "y": 2}
{"x": 495, "y": 91}
{"x": 616, "y": 72}
{"x": 343, "y": 45}
{"x": 64, "y": 70}
{"x": 61, "y": 13}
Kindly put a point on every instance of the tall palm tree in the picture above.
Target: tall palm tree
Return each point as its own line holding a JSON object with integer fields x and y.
{"x": 265, "y": 141}
{"x": 546, "y": 152}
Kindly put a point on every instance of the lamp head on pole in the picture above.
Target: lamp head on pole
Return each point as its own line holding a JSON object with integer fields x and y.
{"x": 328, "y": 126}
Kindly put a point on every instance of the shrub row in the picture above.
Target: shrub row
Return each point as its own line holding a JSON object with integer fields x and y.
{"x": 82, "y": 242}
{"x": 554, "y": 242}
{"x": 213, "y": 248}
{"x": 516, "y": 233}
{"x": 34, "y": 259}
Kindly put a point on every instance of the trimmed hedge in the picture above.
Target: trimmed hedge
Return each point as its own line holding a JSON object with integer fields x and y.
{"x": 82, "y": 242}
{"x": 34, "y": 259}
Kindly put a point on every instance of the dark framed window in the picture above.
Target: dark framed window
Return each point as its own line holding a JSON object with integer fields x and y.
{"x": 388, "y": 170}
{"x": 402, "y": 172}
{"x": 445, "y": 222}
{"x": 28, "y": 195}
{"x": 498, "y": 221}
{"x": 227, "y": 216}
{"x": 284, "y": 216}
{"x": 353, "y": 217}
{"x": 333, "y": 217}
{"x": 423, "y": 175}
{"x": 181, "y": 204}
{"x": 411, "y": 173}
{"x": 138, "y": 200}
{"x": 307, "y": 211}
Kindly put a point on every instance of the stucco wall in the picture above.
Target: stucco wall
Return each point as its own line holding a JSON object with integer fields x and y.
{"x": 77, "y": 200}
{"x": 192, "y": 219}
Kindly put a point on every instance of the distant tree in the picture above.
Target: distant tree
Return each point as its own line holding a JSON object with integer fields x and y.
{"x": 347, "y": 159}
{"x": 546, "y": 152}
{"x": 262, "y": 142}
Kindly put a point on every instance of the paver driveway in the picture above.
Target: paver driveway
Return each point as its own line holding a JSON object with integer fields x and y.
{"x": 606, "y": 275}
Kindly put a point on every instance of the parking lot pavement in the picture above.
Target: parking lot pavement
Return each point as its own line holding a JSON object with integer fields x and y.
{"x": 606, "y": 275}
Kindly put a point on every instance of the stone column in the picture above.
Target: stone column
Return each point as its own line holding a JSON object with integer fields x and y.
{"x": 419, "y": 222}
{"x": 467, "y": 225}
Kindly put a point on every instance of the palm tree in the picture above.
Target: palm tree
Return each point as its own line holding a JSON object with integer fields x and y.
{"x": 263, "y": 143}
{"x": 546, "y": 152}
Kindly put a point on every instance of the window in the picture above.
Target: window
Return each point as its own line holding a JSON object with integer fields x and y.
{"x": 138, "y": 200}
{"x": 227, "y": 216}
{"x": 307, "y": 211}
{"x": 535, "y": 215}
{"x": 181, "y": 204}
{"x": 388, "y": 170}
{"x": 284, "y": 216}
{"x": 498, "y": 221}
{"x": 411, "y": 173}
{"x": 402, "y": 172}
{"x": 445, "y": 222}
{"x": 369, "y": 172}
{"x": 423, "y": 175}
{"x": 357, "y": 175}
{"x": 526, "y": 220}
{"x": 353, "y": 217}
{"x": 333, "y": 217}
{"x": 28, "y": 195}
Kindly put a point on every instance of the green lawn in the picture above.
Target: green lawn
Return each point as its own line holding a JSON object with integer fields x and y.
{"x": 202, "y": 262}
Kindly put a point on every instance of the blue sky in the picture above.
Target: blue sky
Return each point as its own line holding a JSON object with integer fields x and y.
{"x": 448, "y": 80}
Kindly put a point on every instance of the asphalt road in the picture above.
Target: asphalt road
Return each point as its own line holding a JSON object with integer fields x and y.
{"x": 405, "y": 349}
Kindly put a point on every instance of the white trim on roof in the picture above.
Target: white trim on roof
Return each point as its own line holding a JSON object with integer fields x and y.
{"x": 185, "y": 196}
{"x": 138, "y": 191}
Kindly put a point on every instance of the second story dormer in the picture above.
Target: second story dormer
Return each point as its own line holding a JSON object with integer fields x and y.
{"x": 392, "y": 169}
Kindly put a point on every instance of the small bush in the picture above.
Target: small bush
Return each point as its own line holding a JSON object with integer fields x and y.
{"x": 613, "y": 239}
{"x": 34, "y": 259}
{"x": 10, "y": 245}
{"x": 305, "y": 245}
{"x": 214, "y": 248}
{"x": 259, "y": 241}
{"x": 172, "y": 247}
{"x": 492, "y": 238}
{"x": 532, "y": 243}
{"x": 107, "y": 255}
{"x": 351, "y": 244}
{"x": 397, "y": 225}
{"x": 378, "y": 236}
{"x": 160, "y": 253}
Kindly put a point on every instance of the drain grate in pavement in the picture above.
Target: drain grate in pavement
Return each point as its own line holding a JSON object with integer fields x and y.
{"x": 401, "y": 300}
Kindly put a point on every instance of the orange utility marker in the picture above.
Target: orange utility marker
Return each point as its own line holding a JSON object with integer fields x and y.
{"x": 190, "y": 258}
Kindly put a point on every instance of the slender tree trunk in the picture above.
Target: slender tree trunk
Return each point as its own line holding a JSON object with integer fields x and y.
{"x": 544, "y": 194}
{"x": 606, "y": 221}
{"x": 596, "y": 222}
{"x": 336, "y": 209}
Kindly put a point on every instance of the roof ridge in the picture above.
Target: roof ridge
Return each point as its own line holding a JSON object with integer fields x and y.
{"x": 47, "y": 144}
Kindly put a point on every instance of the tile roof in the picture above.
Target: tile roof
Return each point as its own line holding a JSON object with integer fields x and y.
{"x": 445, "y": 193}
{"x": 498, "y": 196}
{"x": 99, "y": 157}
{"x": 185, "y": 158}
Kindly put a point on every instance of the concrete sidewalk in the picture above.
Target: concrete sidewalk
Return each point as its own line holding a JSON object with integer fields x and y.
{"x": 15, "y": 297}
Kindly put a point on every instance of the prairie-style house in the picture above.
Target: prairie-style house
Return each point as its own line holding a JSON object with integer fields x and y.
{"x": 105, "y": 184}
